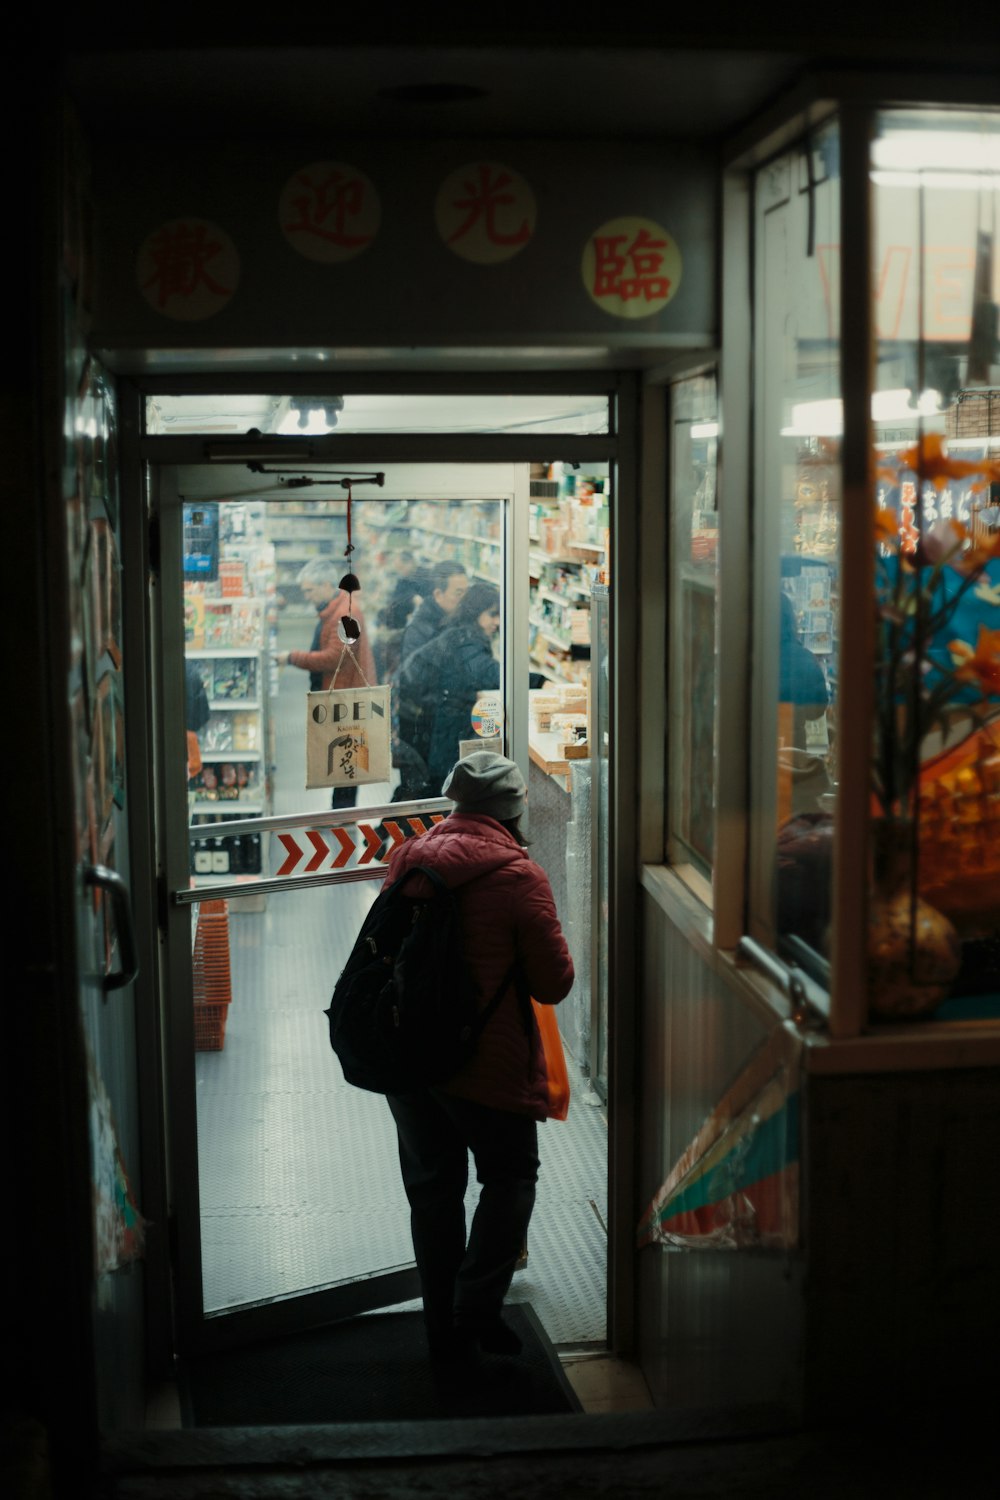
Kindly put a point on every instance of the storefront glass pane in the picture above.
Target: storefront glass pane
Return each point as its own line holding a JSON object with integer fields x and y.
{"x": 315, "y": 416}
{"x": 936, "y": 417}
{"x": 263, "y": 612}
{"x": 796, "y": 547}
{"x": 694, "y": 417}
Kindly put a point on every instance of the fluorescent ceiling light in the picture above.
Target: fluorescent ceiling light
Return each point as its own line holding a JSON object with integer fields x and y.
{"x": 826, "y": 418}
{"x": 941, "y": 150}
{"x": 704, "y": 429}
{"x": 967, "y": 182}
{"x": 316, "y": 426}
{"x": 816, "y": 419}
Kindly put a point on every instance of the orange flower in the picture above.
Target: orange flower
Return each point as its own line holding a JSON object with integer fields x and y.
{"x": 981, "y": 665}
{"x": 928, "y": 458}
{"x": 886, "y": 526}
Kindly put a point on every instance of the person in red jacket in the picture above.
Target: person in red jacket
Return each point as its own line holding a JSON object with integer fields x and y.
{"x": 492, "y": 1105}
{"x": 326, "y": 656}
{"x": 328, "y": 661}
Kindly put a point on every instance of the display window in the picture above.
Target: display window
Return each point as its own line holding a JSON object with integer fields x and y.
{"x": 934, "y": 947}
{"x": 793, "y": 648}
{"x": 692, "y": 689}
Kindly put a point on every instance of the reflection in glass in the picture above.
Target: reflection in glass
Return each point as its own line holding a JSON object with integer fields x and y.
{"x": 796, "y": 538}
{"x": 264, "y": 625}
{"x": 693, "y": 586}
{"x": 316, "y": 416}
{"x": 936, "y": 417}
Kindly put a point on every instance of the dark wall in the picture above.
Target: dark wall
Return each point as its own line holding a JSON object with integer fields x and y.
{"x": 901, "y": 1225}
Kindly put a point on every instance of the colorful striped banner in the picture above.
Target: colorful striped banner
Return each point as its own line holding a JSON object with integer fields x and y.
{"x": 737, "y": 1184}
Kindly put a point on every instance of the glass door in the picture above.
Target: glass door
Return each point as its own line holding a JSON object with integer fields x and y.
{"x": 286, "y": 1196}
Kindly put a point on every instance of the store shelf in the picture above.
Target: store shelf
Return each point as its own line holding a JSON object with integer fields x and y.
{"x": 459, "y": 536}
{"x": 546, "y": 752}
{"x": 220, "y": 653}
{"x": 564, "y": 645}
{"x": 233, "y": 742}
{"x": 234, "y": 805}
{"x": 229, "y": 755}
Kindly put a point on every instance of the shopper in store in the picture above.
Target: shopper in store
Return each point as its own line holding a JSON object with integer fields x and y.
{"x": 491, "y": 1106}
{"x": 439, "y": 684}
{"x": 328, "y": 657}
{"x": 196, "y": 714}
{"x": 447, "y": 584}
{"x": 409, "y": 589}
{"x": 802, "y": 685}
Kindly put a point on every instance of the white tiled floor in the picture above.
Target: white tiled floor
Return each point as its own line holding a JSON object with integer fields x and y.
{"x": 298, "y": 1172}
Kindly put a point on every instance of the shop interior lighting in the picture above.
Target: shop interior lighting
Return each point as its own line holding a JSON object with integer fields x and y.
{"x": 826, "y": 418}
{"x": 937, "y": 151}
{"x": 311, "y": 416}
{"x": 704, "y": 429}
{"x": 952, "y": 159}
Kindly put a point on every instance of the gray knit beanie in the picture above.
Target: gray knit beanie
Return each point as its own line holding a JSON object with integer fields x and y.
{"x": 486, "y": 783}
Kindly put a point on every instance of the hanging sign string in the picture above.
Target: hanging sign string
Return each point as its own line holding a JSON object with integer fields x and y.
{"x": 351, "y": 585}
{"x": 350, "y": 582}
{"x": 347, "y": 651}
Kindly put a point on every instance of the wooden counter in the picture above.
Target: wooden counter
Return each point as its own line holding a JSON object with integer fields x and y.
{"x": 547, "y": 753}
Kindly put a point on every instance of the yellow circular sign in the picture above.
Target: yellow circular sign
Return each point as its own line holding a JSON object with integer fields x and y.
{"x": 631, "y": 267}
{"x": 485, "y": 212}
{"x": 329, "y": 211}
{"x": 487, "y": 715}
{"x": 188, "y": 269}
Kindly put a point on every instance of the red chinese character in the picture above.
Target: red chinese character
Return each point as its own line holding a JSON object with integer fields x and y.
{"x": 485, "y": 198}
{"x": 180, "y": 258}
{"x": 909, "y": 535}
{"x": 644, "y": 257}
{"x": 324, "y": 209}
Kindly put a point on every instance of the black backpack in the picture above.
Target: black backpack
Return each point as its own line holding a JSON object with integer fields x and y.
{"x": 405, "y": 1011}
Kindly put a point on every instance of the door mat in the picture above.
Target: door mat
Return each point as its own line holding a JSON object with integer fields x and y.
{"x": 371, "y": 1369}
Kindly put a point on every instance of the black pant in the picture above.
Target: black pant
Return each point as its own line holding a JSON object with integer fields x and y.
{"x": 464, "y": 1283}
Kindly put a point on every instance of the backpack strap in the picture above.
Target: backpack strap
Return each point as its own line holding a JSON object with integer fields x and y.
{"x": 512, "y": 973}
{"x": 484, "y": 1015}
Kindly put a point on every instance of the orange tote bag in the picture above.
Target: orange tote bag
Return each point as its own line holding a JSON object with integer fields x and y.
{"x": 555, "y": 1060}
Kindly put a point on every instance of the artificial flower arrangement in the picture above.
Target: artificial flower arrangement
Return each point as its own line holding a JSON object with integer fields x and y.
{"x": 937, "y": 820}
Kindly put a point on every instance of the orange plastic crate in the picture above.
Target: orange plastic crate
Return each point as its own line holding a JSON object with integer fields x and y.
{"x": 209, "y": 1026}
{"x": 210, "y": 958}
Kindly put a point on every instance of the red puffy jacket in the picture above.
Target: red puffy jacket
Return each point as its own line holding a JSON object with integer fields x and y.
{"x": 507, "y": 911}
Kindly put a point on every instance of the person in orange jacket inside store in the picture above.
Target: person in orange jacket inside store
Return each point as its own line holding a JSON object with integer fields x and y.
{"x": 328, "y": 657}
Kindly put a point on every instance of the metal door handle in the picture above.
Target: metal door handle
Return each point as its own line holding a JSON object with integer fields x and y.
{"x": 116, "y": 889}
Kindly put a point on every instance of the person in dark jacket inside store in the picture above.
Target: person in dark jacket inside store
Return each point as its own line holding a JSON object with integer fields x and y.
{"x": 446, "y": 583}
{"x": 439, "y": 684}
{"x": 409, "y": 590}
{"x": 328, "y": 660}
{"x": 491, "y": 1106}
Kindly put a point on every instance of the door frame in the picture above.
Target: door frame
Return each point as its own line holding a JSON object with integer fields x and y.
{"x": 619, "y": 448}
